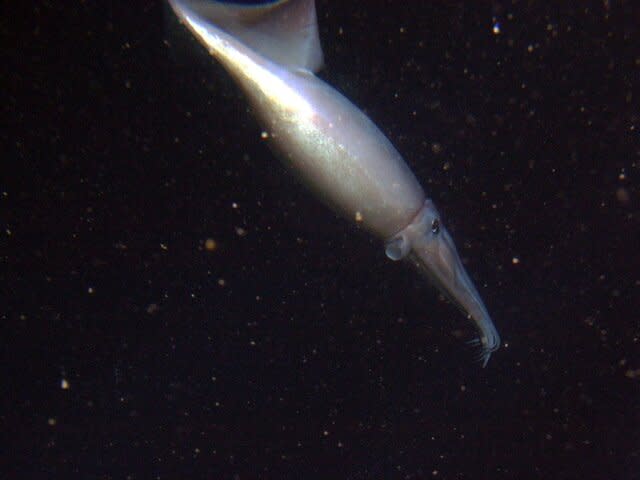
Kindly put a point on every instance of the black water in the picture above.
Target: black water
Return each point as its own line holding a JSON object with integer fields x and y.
{"x": 294, "y": 349}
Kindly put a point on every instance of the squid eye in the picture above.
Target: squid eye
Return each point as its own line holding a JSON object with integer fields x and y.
{"x": 435, "y": 226}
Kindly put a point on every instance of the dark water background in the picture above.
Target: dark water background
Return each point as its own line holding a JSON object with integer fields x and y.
{"x": 296, "y": 349}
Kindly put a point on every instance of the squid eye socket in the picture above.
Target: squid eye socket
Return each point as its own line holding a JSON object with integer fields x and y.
{"x": 435, "y": 226}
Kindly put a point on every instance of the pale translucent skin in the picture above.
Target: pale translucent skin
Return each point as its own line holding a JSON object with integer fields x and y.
{"x": 348, "y": 162}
